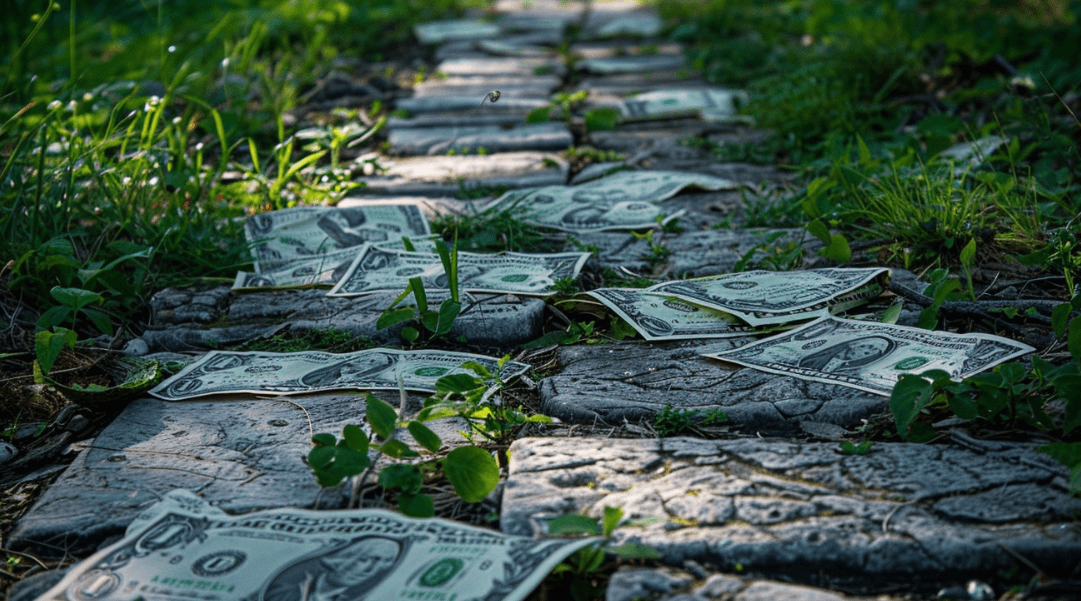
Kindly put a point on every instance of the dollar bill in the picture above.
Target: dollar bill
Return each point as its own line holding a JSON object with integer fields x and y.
{"x": 658, "y": 317}
{"x": 621, "y": 201}
{"x": 220, "y": 372}
{"x": 323, "y": 270}
{"x": 871, "y": 356}
{"x": 770, "y": 297}
{"x": 183, "y": 548}
{"x": 279, "y": 238}
{"x": 380, "y": 270}
{"x": 712, "y": 104}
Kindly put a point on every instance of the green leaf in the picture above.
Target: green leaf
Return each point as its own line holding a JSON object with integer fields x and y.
{"x": 457, "y": 384}
{"x": 326, "y": 440}
{"x": 417, "y": 285}
{"x": 403, "y": 476}
{"x": 612, "y": 516}
{"x": 602, "y": 119}
{"x": 354, "y": 438}
{"x": 865, "y": 153}
{"x": 855, "y": 449}
{"x": 331, "y": 464}
{"x": 820, "y": 230}
{"x": 410, "y": 334}
{"x": 472, "y": 472}
{"x": 574, "y": 524}
{"x": 392, "y": 317}
{"x": 910, "y": 395}
{"x": 416, "y": 506}
{"x": 396, "y": 449}
{"x": 539, "y": 115}
{"x": 382, "y": 417}
{"x": 968, "y": 254}
{"x": 76, "y": 298}
{"x": 54, "y": 316}
{"x": 448, "y": 312}
{"x": 100, "y": 320}
{"x": 424, "y": 436}
{"x": 48, "y": 344}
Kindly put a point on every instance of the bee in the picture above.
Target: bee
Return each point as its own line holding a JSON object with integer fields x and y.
{"x": 494, "y": 95}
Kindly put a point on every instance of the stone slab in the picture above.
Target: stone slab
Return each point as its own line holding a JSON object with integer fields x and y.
{"x": 712, "y": 252}
{"x": 633, "y": 381}
{"x": 695, "y": 252}
{"x": 534, "y": 85}
{"x": 620, "y": 18}
{"x": 442, "y": 120}
{"x": 241, "y": 455}
{"x": 905, "y": 513}
{"x": 469, "y": 104}
{"x": 483, "y": 138}
{"x": 490, "y": 320}
{"x": 627, "y": 84}
{"x": 492, "y": 65}
{"x": 444, "y": 175}
{"x": 656, "y": 64}
{"x": 668, "y": 584}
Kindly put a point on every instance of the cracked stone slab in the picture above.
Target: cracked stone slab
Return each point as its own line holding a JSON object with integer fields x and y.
{"x": 696, "y": 253}
{"x": 495, "y": 320}
{"x": 633, "y": 381}
{"x": 491, "y": 138}
{"x": 668, "y": 584}
{"x": 241, "y": 455}
{"x": 900, "y": 512}
{"x": 713, "y": 252}
{"x": 447, "y": 175}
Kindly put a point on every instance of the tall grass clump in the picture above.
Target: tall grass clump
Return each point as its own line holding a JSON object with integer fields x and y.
{"x": 136, "y": 137}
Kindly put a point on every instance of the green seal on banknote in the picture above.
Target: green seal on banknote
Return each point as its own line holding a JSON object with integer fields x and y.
{"x": 442, "y": 571}
{"x": 515, "y": 277}
{"x": 911, "y": 363}
{"x": 431, "y": 371}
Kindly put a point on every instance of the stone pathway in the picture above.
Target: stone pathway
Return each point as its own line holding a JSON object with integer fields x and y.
{"x": 768, "y": 512}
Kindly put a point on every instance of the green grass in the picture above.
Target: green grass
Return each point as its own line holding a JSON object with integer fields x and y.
{"x": 862, "y": 97}
{"x": 135, "y": 138}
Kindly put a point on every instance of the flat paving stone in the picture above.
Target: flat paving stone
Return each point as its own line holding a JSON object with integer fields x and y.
{"x": 448, "y": 175}
{"x": 491, "y": 138}
{"x": 907, "y": 514}
{"x": 443, "y": 120}
{"x": 633, "y": 64}
{"x": 695, "y": 253}
{"x": 668, "y": 584}
{"x": 626, "y": 84}
{"x": 490, "y": 320}
{"x": 491, "y": 65}
{"x": 469, "y": 104}
{"x": 625, "y": 18}
{"x": 461, "y": 85}
{"x": 241, "y": 455}
{"x": 633, "y": 381}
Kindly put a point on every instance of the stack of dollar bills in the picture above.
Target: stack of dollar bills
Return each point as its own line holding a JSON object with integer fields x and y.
{"x": 741, "y": 304}
{"x": 312, "y": 246}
